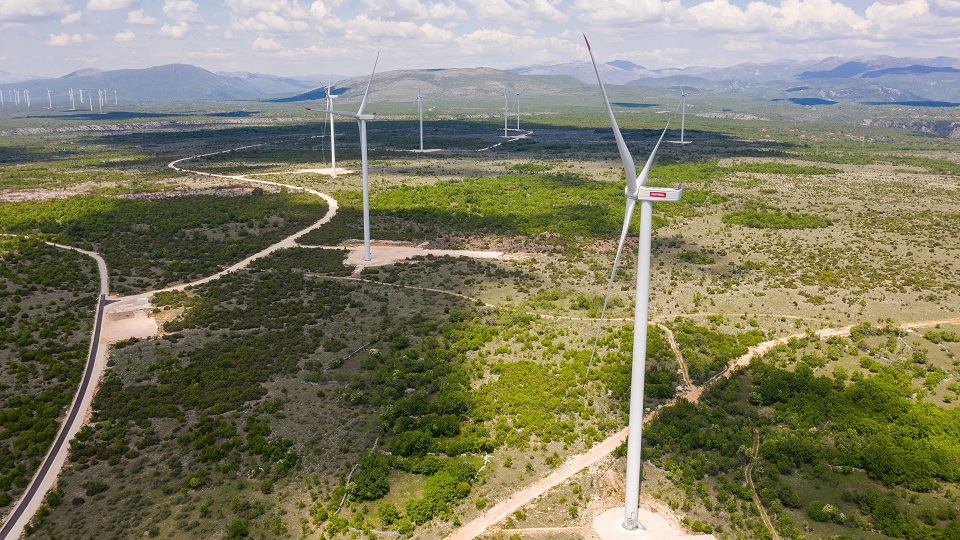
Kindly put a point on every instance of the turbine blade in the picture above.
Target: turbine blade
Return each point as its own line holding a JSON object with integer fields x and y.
{"x": 364, "y": 102}
{"x": 628, "y": 166}
{"x": 627, "y": 216}
{"x": 646, "y": 166}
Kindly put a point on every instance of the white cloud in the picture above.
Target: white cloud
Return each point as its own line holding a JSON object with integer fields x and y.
{"x": 139, "y": 17}
{"x": 182, "y": 11}
{"x": 629, "y": 12}
{"x": 125, "y": 36}
{"x": 26, "y": 10}
{"x": 365, "y": 29}
{"x": 62, "y": 40}
{"x": 71, "y": 18}
{"x": 266, "y": 44}
{"x": 176, "y": 31}
{"x": 108, "y": 5}
{"x": 405, "y": 10}
{"x": 281, "y": 16}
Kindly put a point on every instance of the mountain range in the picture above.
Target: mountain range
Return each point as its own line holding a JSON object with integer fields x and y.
{"x": 866, "y": 79}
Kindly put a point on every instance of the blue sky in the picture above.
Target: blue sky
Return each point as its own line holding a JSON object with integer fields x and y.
{"x": 291, "y": 37}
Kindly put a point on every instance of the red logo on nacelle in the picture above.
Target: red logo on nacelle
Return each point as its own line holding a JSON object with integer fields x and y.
{"x": 659, "y": 194}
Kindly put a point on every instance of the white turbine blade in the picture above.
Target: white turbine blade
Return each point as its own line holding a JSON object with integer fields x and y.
{"x": 646, "y": 166}
{"x": 628, "y": 166}
{"x": 627, "y": 216}
{"x": 364, "y": 102}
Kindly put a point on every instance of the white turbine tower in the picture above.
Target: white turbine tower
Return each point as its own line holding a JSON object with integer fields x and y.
{"x": 73, "y": 104}
{"x": 81, "y": 96}
{"x": 1, "y": 97}
{"x": 518, "y": 110}
{"x": 333, "y": 150}
{"x": 420, "y": 108}
{"x": 114, "y": 97}
{"x": 18, "y": 97}
{"x": 505, "y": 110}
{"x": 26, "y": 96}
{"x": 362, "y": 121}
{"x": 683, "y": 116}
{"x": 90, "y": 100}
{"x": 100, "y": 95}
{"x": 636, "y": 190}
{"x": 49, "y": 100}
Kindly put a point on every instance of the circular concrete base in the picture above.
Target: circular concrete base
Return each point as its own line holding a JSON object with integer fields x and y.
{"x": 609, "y": 526}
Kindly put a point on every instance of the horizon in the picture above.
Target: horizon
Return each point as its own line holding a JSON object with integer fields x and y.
{"x": 52, "y": 38}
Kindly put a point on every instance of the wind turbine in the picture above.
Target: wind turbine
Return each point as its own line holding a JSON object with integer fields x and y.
{"x": 49, "y": 100}
{"x": 90, "y": 100}
{"x": 518, "y": 110}
{"x": 420, "y": 108}
{"x": 333, "y": 150}
{"x": 1, "y": 97}
{"x": 636, "y": 190}
{"x": 505, "y": 113}
{"x": 683, "y": 116}
{"x": 26, "y": 97}
{"x": 100, "y": 95}
{"x": 18, "y": 97}
{"x": 81, "y": 96}
{"x": 362, "y": 121}
{"x": 114, "y": 97}
{"x": 73, "y": 104}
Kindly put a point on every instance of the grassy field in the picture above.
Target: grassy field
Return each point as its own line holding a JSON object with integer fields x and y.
{"x": 271, "y": 384}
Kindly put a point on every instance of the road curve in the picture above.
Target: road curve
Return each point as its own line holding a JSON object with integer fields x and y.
{"x": 46, "y": 475}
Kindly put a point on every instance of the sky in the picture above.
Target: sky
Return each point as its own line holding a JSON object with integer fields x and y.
{"x": 293, "y": 37}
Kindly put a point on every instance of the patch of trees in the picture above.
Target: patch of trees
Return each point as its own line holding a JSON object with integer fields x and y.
{"x": 763, "y": 216}
{"x": 149, "y": 243}
{"x": 708, "y": 352}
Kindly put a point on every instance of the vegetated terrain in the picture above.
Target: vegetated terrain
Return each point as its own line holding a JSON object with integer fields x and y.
{"x": 47, "y": 297}
{"x": 292, "y": 400}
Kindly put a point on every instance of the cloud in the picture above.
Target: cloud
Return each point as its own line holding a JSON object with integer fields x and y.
{"x": 124, "y": 37}
{"x": 175, "y": 31}
{"x": 182, "y": 11}
{"x": 365, "y": 29}
{"x": 266, "y": 44}
{"x": 405, "y": 10}
{"x": 63, "y": 40}
{"x": 139, "y": 17}
{"x": 629, "y": 12}
{"x": 71, "y": 18}
{"x": 25, "y": 10}
{"x": 109, "y": 5}
{"x": 281, "y": 16}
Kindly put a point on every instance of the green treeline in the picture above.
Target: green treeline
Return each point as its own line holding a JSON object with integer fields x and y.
{"x": 763, "y": 216}
{"x": 47, "y": 302}
{"x": 151, "y": 243}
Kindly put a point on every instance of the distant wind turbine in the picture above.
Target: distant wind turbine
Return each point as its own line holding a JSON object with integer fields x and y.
{"x": 683, "y": 116}
{"x": 90, "y": 100}
{"x": 1, "y": 97}
{"x": 518, "y": 110}
{"x": 18, "y": 97}
{"x": 420, "y": 108}
{"x": 26, "y": 97}
{"x": 114, "y": 97}
{"x": 49, "y": 100}
{"x": 73, "y": 104}
{"x": 362, "y": 121}
{"x": 81, "y": 96}
{"x": 100, "y": 95}
{"x": 636, "y": 190}
{"x": 505, "y": 114}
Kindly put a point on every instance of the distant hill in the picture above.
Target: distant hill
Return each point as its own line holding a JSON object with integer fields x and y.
{"x": 7, "y": 77}
{"x": 454, "y": 83}
{"x": 272, "y": 84}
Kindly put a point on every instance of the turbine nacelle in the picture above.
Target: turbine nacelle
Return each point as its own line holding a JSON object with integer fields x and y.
{"x": 655, "y": 194}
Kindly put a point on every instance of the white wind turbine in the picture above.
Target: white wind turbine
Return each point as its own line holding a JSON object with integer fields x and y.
{"x": 518, "y": 110}
{"x": 420, "y": 108}
{"x": 1, "y": 97}
{"x": 81, "y": 96}
{"x": 505, "y": 113}
{"x": 114, "y": 97}
{"x": 73, "y": 104}
{"x": 333, "y": 150}
{"x": 683, "y": 116}
{"x": 90, "y": 100}
{"x": 26, "y": 96}
{"x": 49, "y": 100}
{"x": 362, "y": 121}
{"x": 636, "y": 190}
{"x": 100, "y": 95}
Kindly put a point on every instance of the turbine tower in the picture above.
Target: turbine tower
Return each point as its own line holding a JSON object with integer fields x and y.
{"x": 362, "y": 121}
{"x": 636, "y": 190}
{"x": 505, "y": 113}
{"x": 518, "y": 110}
{"x": 100, "y": 96}
{"x": 1, "y": 97}
{"x": 26, "y": 97}
{"x": 18, "y": 98}
{"x": 81, "y": 96}
{"x": 683, "y": 116}
{"x": 73, "y": 104}
{"x": 90, "y": 100}
{"x": 114, "y": 97}
{"x": 333, "y": 150}
{"x": 49, "y": 100}
{"x": 420, "y": 108}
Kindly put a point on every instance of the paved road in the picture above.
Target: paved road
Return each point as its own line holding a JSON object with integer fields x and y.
{"x": 42, "y": 481}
